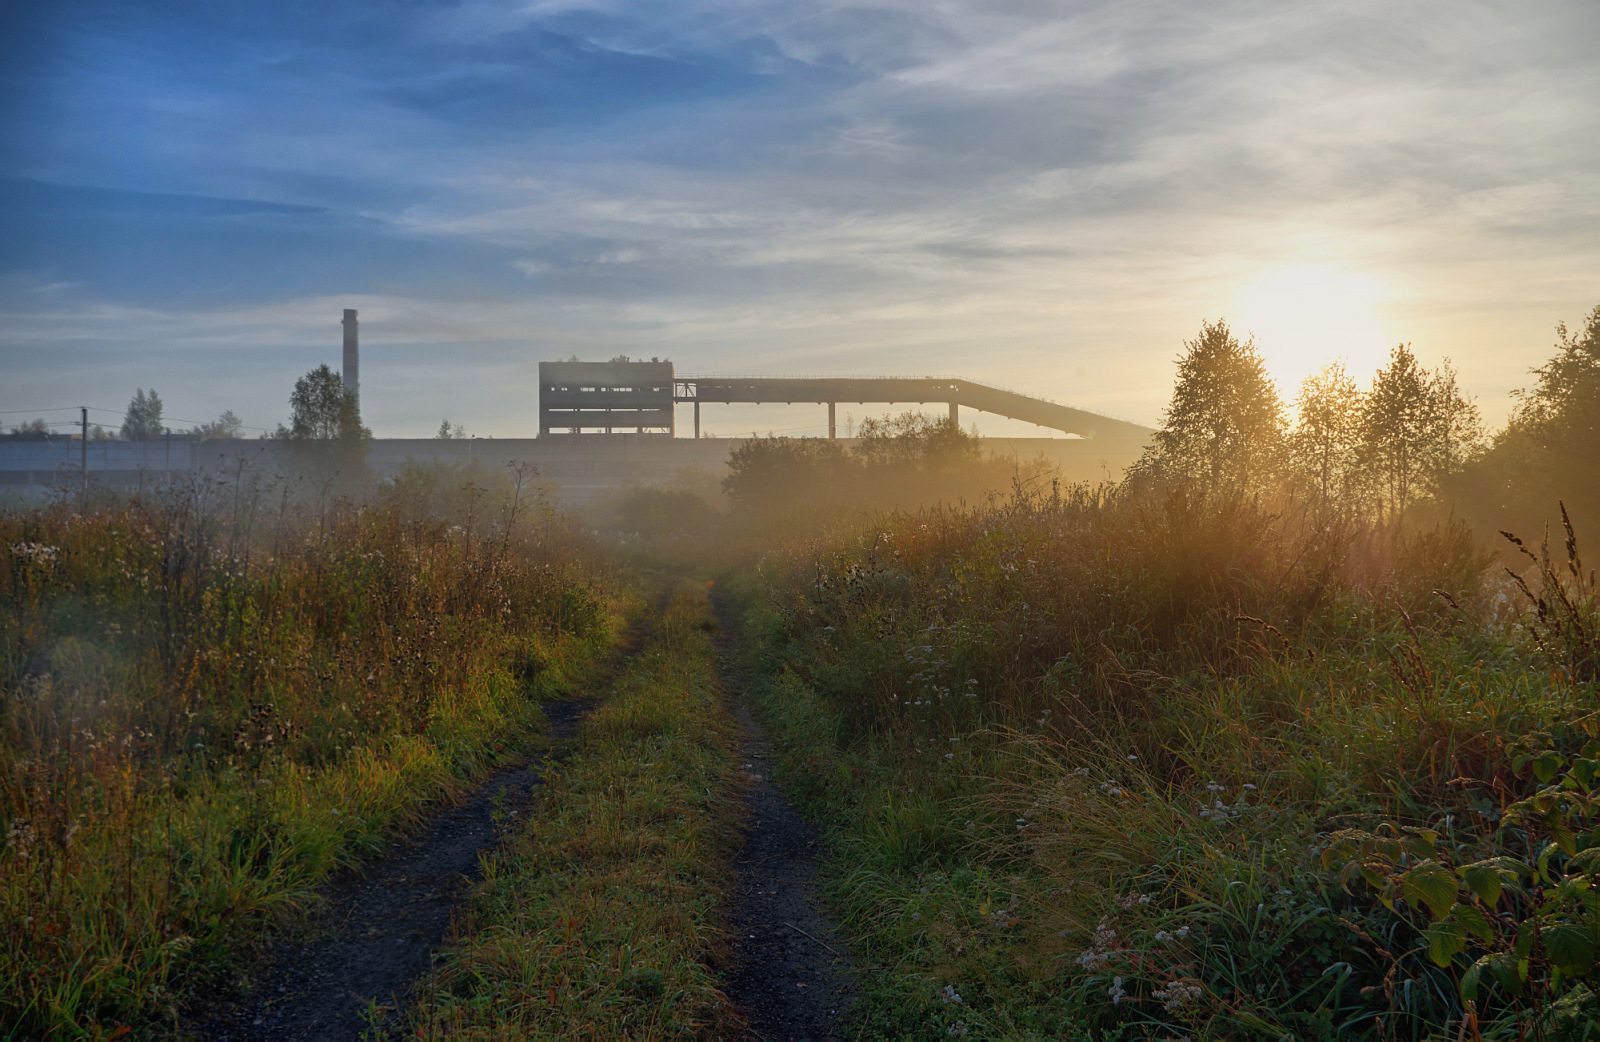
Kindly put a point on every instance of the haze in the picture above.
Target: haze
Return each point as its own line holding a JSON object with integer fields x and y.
{"x": 1046, "y": 196}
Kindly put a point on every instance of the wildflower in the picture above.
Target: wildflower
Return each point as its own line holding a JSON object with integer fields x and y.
{"x": 1116, "y": 992}
{"x": 950, "y": 993}
{"x": 1174, "y": 995}
{"x": 958, "y": 1030}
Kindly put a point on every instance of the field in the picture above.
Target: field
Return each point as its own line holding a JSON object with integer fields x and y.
{"x": 216, "y": 698}
{"x": 1097, "y": 770}
{"x": 1264, "y": 741}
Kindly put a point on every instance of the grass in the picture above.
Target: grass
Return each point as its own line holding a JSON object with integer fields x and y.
{"x": 600, "y": 918}
{"x": 1081, "y": 759}
{"x": 213, "y": 698}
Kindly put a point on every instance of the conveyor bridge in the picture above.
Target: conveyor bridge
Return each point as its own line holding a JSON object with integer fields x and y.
{"x": 638, "y": 397}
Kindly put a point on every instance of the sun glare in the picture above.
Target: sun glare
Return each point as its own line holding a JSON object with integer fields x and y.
{"x": 1304, "y": 318}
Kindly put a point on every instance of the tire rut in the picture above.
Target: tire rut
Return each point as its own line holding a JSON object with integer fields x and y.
{"x": 377, "y": 932}
{"x": 791, "y": 974}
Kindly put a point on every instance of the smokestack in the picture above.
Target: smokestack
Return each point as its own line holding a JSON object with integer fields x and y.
{"x": 352, "y": 354}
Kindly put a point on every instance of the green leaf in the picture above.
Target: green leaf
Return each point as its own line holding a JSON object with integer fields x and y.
{"x": 1445, "y": 938}
{"x": 1483, "y": 879}
{"x": 1525, "y": 935}
{"x": 1547, "y": 764}
{"x": 1473, "y": 921}
{"x": 1503, "y": 968}
{"x": 1564, "y": 838}
{"x": 1420, "y": 843}
{"x": 1571, "y": 948}
{"x": 1472, "y": 979}
{"x": 1585, "y": 861}
{"x": 1432, "y": 884}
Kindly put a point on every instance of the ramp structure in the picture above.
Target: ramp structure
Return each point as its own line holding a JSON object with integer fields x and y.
{"x": 623, "y": 396}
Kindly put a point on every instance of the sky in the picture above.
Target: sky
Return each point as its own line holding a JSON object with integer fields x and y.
{"x": 1046, "y": 196}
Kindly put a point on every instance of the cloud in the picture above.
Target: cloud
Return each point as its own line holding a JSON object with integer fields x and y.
{"x": 1024, "y": 191}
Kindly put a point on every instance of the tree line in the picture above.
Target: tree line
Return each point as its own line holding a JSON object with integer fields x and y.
{"x": 1410, "y": 441}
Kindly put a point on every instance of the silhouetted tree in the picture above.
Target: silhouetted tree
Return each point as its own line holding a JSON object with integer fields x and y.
{"x": 1549, "y": 450}
{"x": 773, "y": 473}
{"x": 38, "y": 427}
{"x": 1457, "y": 427}
{"x": 143, "y": 419}
{"x": 913, "y": 439}
{"x": 1416, "y": 430}
{"x": 1395, "y": 428}
{"x": 322, "y": 410}
{"x": 1223, "y": 432}
{"x": 227, "y": 425}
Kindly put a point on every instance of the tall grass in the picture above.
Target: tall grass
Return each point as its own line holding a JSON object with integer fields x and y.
{"x": 213, "y": 697}
{"x": 1082, "y": 754}
{"x": 599, "y": 919}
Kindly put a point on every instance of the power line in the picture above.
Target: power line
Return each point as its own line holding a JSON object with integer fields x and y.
{"x": 116, "y": 412}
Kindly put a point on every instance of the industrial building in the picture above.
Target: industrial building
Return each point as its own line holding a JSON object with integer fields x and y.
{"x": 602, "y": 426}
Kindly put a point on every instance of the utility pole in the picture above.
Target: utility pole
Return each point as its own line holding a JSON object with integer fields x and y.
{"x": 83, "y": 447}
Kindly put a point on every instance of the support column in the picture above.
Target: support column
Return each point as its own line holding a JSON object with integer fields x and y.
{"x": 697, "y": 421}
{"x": 833, "y": 428}
{"x": 955, "y": 414}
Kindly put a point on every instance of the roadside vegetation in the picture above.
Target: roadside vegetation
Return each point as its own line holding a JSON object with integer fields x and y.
{"x": 599, "y": 917}
{"x": 1261, "y": 742}
{"x": 214, "y": 697}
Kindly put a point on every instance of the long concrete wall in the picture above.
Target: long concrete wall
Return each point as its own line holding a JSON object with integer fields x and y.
{"x": 582, "y": 467}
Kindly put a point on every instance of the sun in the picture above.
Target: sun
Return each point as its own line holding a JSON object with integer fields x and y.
{"x": 1304, "y": 318}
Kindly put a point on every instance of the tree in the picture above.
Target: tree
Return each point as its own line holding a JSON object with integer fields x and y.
{"x": 1456, "y": 426}
{"x": 1549, "y": 451}
{"x": 143, "y": 419}
{"x": 322, "y": 410}
{"x": 1327, "y": 432}
{"x": 1417, "y": 430}
{"x": 779, "y": 473}
{"x": 450, "y": 431}
{"x": 38, "y": 427}
{"x": 1395, "y": 428}
{"x": 1223, "y": 432}
{"x": 225, "y": 426}
{"x": 914, "y": 440}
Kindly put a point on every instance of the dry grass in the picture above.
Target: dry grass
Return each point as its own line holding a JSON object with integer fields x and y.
{"x": 211, "y": 699}
{"x": 1051, "y": 734}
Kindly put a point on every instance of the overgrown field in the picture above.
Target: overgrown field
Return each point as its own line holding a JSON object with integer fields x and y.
{"x": 212, "y": 699}
{"x": 1103, "y": 766}
{"x": 599, "y": 919}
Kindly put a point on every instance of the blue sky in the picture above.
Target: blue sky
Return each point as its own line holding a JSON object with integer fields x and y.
{"x": 1049, "y": 196}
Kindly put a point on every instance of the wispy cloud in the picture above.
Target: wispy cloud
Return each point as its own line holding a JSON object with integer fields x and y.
{"x": 1038, "y": 193}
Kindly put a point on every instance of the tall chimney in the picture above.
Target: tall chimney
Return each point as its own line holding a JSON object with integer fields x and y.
{"x": 352, "y": 354}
